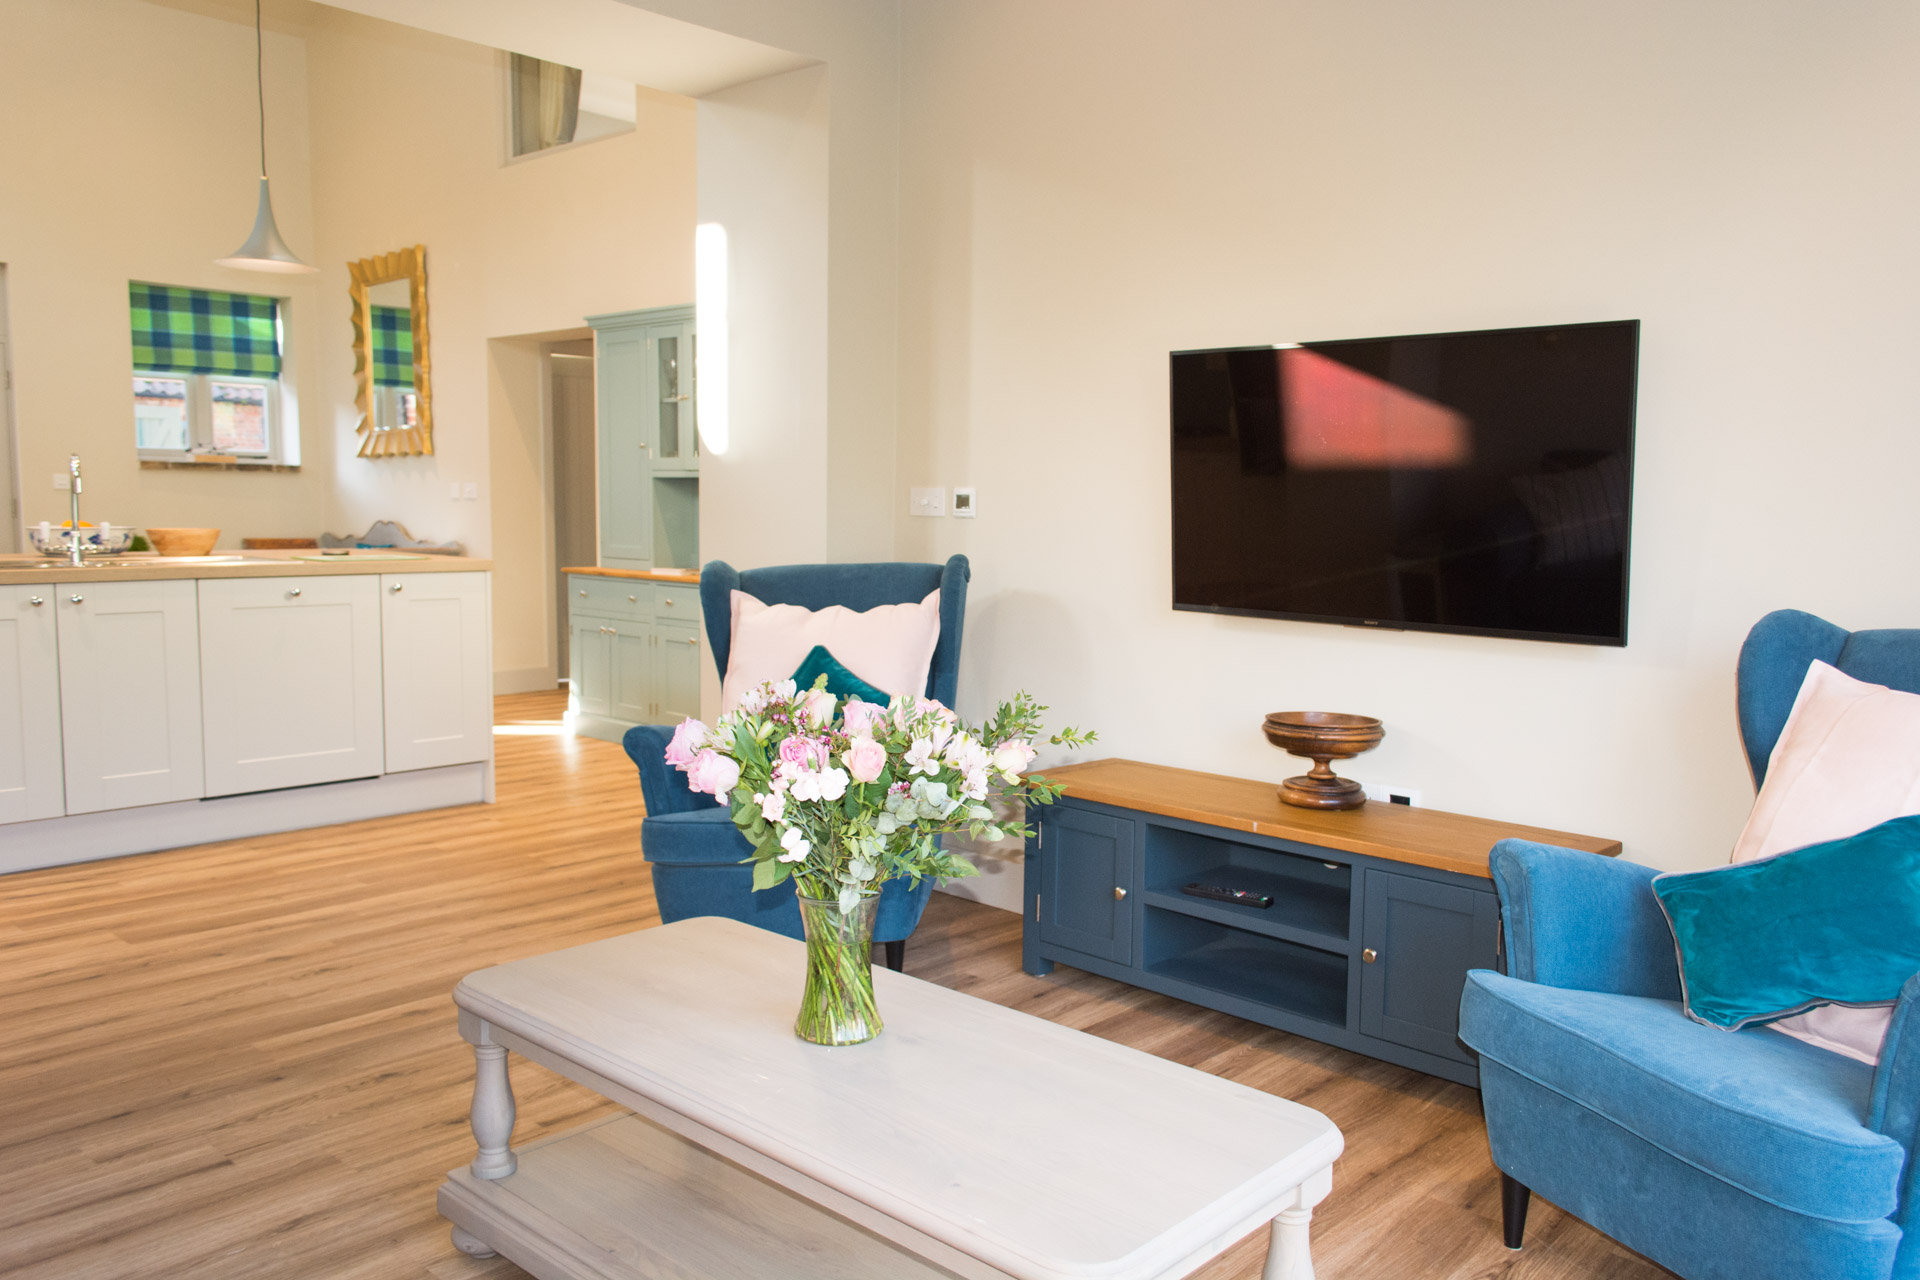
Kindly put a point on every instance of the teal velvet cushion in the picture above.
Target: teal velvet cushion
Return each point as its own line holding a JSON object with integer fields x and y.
{"x": 1833, "y": 923}
{"x": 841, "y": 683}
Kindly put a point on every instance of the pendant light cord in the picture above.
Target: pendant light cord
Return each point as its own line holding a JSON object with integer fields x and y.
{"x": 260, "y": 83}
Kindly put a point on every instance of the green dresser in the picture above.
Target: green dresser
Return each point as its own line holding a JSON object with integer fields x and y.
{"x": 634, "y": 656}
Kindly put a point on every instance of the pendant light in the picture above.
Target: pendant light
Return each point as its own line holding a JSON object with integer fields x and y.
{"x": 264, "y": 249}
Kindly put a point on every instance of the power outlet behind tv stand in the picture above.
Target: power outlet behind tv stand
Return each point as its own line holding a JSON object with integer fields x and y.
{"x": 1377, "y": 913}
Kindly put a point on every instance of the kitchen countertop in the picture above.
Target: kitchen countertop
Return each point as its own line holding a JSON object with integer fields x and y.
{"x": 684, "y": 577}
{"x": 147, "y": 567}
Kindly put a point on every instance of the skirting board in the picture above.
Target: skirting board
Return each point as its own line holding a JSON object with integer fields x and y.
{"x": 85, "y": 837}
{"x": 526, "y": 680}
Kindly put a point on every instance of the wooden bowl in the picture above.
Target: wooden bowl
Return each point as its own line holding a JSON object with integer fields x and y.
{"x": 182, "y": 542}
{"x": 1322, "y": 736}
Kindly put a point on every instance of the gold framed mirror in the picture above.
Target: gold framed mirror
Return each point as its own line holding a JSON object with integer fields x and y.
{"x": 391, "y": 360}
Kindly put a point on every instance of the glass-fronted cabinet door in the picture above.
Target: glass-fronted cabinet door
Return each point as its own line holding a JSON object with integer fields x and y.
{"x": 678, "y": 444}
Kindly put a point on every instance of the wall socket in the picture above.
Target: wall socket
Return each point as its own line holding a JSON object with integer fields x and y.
{"x": 1380, "y": 793}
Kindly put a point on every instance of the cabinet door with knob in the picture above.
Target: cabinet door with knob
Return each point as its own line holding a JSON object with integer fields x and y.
{"x": 292, "y": 681}
{"x": 129, "y": 693}
{"x": 1418, "y": 939}
{"x": 31, "y": 782}
{"x": 438, "y": 686}
{"x": 1086, "y": 865}
{"x": 676, "y": 670}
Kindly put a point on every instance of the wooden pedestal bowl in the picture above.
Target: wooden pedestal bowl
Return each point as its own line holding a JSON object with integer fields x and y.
{"x": 1322, "y": 736}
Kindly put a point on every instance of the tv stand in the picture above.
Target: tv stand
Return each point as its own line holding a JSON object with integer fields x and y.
{"x": 1377, "y": 912}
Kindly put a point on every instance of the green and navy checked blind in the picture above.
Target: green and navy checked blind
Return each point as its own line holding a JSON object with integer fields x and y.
{"x": 197, "y": 331}
{"x": 392, "y": 347}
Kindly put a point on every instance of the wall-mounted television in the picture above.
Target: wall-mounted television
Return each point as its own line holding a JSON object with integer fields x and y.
{"x": 1469, "y": 482}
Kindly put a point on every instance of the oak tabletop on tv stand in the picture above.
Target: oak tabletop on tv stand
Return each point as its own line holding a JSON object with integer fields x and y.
{"x": 1423, "y": 837}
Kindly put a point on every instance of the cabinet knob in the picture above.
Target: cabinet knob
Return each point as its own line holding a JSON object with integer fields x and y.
{"x": 293, "y": 591}
{"x": 394, "y": 587}
{"x": 1118, "y": 893}
{"x": 76, "y": 599}
{"x": 583, "y": 595}
{"x": 36, "y": 602}
{"x": 1370, "y": 955}
{"x": 636, "y": 600}
{"x": 668, "y": 602}
{"x": 692, "y": 641}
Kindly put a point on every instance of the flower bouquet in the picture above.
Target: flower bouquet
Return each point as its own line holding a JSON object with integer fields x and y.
{"x": 845, "y": 796}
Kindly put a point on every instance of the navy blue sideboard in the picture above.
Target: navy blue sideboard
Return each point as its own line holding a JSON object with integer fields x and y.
{"x": 1377, "y": 912}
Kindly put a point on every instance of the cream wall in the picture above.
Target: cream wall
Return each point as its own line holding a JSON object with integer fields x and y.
{"x": 131, "y": 152}
{"x": 408, "y": 149}
{"x": 1086, "y": 187}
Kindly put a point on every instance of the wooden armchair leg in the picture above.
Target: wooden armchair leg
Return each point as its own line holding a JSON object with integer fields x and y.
{"x": 896, "y": 954}
{"x": 1514, "y": 1198}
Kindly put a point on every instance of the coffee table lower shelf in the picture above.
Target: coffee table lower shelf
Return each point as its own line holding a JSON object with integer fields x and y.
{"x": 622, "y": 1199}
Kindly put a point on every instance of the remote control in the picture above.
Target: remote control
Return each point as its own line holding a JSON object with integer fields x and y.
{"x": 1220, "y": 893}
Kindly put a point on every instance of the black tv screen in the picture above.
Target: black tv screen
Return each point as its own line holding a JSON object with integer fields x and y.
{"x": 1471, "y": 482}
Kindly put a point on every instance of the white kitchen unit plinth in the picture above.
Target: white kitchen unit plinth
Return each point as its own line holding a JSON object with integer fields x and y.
{"x": 31, "y": 781}
{"x": 129, "y": 693}
{"x": 291, "y": 670}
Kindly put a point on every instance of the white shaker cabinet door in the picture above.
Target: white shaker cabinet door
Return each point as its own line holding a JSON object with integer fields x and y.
{"x": 129, "y": 693}
{"x": 31, "y": 785}
{"x": 439, "y": 685}
{"x": 291, "y": 669}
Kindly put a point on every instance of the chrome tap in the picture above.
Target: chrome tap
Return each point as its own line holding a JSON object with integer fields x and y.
{"x": 73, "y": 533}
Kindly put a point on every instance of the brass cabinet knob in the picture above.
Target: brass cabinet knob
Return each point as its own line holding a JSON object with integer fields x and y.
{"x": 1369, "y": 955}
{"x": 1118, "y": 893}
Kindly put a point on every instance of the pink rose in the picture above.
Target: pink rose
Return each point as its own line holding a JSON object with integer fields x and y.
{"x": 862, "y": 719}
{"x": 865, "y": 759}
{"x": 687, "y": 739}
{"x": 816, "y": 708}
{"x": 799, "y": 748}
{"x": 712, "y": 773}
{"x": 1011, "y": 757}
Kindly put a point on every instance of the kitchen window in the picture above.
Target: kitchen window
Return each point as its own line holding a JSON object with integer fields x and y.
{"x": 206, "y": 375}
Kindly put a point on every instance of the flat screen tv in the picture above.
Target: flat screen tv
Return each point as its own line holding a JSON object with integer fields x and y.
{"x": 1468, "y": 482}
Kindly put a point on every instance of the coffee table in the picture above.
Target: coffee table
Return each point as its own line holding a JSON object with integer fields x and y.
{"x": 967, "y": 1140}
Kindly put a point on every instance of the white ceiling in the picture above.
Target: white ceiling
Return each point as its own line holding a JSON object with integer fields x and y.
{"x": 605, "y": 36}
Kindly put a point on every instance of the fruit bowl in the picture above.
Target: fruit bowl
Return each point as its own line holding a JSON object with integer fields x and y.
{"x": 95, "y": 539}
{"x": 1322, "y": 736}
{"x": 183, "y": 542}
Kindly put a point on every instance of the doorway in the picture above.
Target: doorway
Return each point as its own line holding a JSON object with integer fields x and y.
{"x": 575, "y": 516}
{"x": 9, "y": 449}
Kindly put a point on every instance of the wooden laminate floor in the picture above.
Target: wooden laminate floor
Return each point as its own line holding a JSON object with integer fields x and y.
{"x": 239, "y": 1059}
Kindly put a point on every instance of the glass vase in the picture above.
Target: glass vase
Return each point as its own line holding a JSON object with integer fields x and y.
{"x": 837, "y": 1007}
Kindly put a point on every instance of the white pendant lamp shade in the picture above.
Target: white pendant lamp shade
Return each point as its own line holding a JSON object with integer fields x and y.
{"x": 264, "y": 249}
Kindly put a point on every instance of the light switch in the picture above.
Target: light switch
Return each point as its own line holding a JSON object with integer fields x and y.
{"x": 963, "y": 503}
{"x": 926, "y": 502}
{"x": 470, "y": 491}
{"x": 62, "y": 480}
{"x": 453, "y": 490}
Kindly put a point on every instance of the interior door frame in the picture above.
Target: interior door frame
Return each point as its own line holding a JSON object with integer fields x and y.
{"x": 10, "y": 490}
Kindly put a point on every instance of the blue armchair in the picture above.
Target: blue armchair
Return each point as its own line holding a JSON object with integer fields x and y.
{"x": 696, "y": 856}
{"x": 1741, "y": 1155}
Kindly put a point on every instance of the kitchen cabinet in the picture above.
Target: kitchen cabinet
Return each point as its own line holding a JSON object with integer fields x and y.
{"x": 129, "y": 693}
{"x": 647, "y": 441}
{"x": 291, "y": 672}
{"x": 31, "y": 782}
{"x": 438, "y": 669}
{"x": 634, "y": 656}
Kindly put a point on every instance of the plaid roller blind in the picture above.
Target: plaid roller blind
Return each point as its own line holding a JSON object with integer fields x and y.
{"x": 392, "y": 347}
{"x": 197, "y": 331}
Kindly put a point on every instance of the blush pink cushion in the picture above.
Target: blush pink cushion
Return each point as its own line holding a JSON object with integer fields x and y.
{"x": 1848, "y": 759}
{"x": 889, "y": 646}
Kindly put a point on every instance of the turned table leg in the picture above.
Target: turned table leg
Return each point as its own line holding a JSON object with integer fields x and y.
{"x": 1288, "y": 1257}
{"x": 492, "y": 1113}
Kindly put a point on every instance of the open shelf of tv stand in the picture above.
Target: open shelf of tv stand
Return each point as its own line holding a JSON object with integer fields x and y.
{"x": 1376, "y": 914}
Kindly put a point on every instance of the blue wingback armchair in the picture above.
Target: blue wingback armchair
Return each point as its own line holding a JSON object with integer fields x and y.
{"x": 695, "y": 854}
{"x": 1742, "y": 1155}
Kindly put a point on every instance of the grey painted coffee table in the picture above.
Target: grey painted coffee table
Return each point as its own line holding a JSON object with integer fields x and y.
{"x": 968, "y": 1140}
